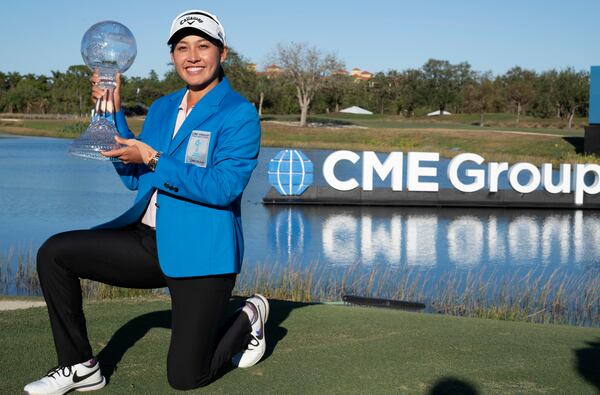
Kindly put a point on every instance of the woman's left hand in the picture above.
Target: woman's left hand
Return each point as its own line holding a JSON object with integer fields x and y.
{"x": 134, "y": 151}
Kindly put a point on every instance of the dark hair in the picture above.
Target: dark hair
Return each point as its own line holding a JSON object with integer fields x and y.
{"x": 191, "y": 31}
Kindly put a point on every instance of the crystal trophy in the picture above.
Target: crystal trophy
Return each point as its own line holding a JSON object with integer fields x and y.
{"x": 108, "y": 48}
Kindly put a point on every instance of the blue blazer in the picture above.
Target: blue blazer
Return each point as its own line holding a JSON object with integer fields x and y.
{"x": 198, "y": 222}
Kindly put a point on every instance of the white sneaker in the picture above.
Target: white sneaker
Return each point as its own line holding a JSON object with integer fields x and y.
{"x": 61, "y": 380}
{"x": 257, "y": 346}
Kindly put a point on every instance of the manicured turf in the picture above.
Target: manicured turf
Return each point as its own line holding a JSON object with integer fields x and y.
{"x": 505, "y": 122}
{"x": 492, "y": 145}
{"x": 448, "y": 136}
{"x": 325, "y": 349}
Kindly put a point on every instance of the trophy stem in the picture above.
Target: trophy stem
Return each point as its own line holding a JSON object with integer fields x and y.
{"x": 96, "y": 111}
{"x": 110, "y": 101}
{"x": 101, "y": 132}
{"x": 107, "y": 78}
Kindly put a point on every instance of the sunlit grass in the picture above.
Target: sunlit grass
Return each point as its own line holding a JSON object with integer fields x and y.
{"x": 61, "y": 128}
{"x": 492, "y": 121}
{"x": 540, "y": 143}
{"x": 493, "y": 146}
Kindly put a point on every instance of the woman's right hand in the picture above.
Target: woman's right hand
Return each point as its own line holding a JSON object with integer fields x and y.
{"x": 102, "y": 93}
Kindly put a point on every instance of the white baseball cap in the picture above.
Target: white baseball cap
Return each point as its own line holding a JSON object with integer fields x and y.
{"x": 198, "y": 20}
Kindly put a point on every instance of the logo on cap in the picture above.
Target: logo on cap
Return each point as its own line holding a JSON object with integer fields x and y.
{"x": 190, "y": 20}
{"x": 290, "y": 172}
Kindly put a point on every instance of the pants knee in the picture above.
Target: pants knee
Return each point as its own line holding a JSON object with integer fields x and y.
{"x": 47, "y": 255}
{"x": 182, "y": 380}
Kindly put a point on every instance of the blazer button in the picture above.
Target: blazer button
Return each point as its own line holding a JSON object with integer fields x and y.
{"x": 156, "y": 204}
{"x": 176, "y": 189}
{"x": 167, "y": 186}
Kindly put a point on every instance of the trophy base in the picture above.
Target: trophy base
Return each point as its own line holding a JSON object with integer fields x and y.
{"x": 99, "y": 136}
{"x": 91, "y": 153}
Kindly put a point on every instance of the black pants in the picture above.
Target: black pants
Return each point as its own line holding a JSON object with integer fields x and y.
{"x": 127, "y": 257}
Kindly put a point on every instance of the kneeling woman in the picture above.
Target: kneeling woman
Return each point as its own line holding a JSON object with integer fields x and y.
{"x": 190, "y": 165}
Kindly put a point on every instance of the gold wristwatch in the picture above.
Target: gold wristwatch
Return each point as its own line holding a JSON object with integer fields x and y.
{"x": 153, "y": 161}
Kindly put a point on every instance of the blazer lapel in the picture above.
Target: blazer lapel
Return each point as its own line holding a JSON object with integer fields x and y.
{"x": 172, "y": 111}
{"x": 203, "y": 110}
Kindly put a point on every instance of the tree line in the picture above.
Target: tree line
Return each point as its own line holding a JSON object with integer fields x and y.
{"x": 312, "y": 81}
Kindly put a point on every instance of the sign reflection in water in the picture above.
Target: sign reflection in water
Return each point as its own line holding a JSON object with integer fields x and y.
{"x": 452, "y": 238}
{"x": 289, "y": 233}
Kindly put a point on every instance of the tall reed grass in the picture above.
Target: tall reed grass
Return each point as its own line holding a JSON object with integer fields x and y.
{"x": 526, "y": 294}
{"x": 541, "y": 295}
{"x": 18, "y": 276}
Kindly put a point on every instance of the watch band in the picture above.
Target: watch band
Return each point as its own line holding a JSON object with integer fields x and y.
{"x": 153, "y": 161}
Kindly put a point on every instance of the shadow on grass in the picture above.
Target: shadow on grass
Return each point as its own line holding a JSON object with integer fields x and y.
{"x": 135, "y": 329}
{"x": 452, "y": 386}
{"x": 576, "y": 142}
{"x": 588, "y": 363}
{"x": 127, "y": 335}
{"x": 279, "y": 312}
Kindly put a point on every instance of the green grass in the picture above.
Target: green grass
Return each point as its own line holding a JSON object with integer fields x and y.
{"x": 61, "y": 128}
{"x": 538, "y": 141}
{"x": 324, "y": 349}
{"x": 492, "y": 122}
{"x": 492, "y": 145}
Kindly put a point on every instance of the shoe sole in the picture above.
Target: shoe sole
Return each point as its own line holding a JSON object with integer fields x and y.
{"x": 92, "y": 387}
{"x": 83, "y": 388}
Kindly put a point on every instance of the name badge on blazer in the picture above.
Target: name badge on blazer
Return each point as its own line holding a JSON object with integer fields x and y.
{"x": 197, "y": 148}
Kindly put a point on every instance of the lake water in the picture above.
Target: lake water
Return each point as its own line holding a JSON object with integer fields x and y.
{"x": 44, "y": 191}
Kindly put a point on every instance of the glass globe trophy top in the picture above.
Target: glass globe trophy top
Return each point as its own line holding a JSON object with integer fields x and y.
{"x": 108, "y": 48}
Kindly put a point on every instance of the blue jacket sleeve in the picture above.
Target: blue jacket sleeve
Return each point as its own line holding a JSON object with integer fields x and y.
{"x": 129, "y": 174}
{"x": 122, "y": 126}
{"x": 234, "y": 159}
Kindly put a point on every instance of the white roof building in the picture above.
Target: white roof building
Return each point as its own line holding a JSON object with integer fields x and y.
{"x": 356, "y": 110}
{"x": 438, "y": 112}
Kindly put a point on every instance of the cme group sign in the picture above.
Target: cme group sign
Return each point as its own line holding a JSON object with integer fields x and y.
{"x": 291, "y": 172}
{"x": 471, "y": 181}
{"x": 569, "y": 179}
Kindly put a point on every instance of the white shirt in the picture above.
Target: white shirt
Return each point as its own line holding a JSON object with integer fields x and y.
{"x": 149, "y": 217}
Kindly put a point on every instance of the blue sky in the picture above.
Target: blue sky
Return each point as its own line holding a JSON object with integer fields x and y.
{"x": 374, "y": 35}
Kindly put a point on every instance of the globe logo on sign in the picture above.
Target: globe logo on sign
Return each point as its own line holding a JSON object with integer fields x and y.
{"x": 290, "y": 172}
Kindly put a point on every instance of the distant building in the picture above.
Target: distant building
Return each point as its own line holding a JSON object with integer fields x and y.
{"x": 438, "y": 112}
{"x": 366, "y": 75}
{"x": 251, "y": 67}
{"x": 356, "y": 110}
{"x": 273, "y": 70}
{"x": 362, "y": 75}
{"x": 339, "y": 72}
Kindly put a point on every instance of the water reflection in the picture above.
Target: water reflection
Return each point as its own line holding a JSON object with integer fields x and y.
{"x": 380, "y": 240}
{"x": 340, "y": 237}
{"x": 465, "y": 241}
{"x": 421, "y": 237}
{"x": 458, "y": 238}
{"x": 289, "y": 232}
